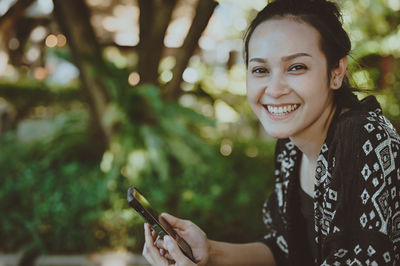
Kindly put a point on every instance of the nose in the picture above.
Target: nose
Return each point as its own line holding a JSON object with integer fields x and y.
{"x": 277, "y": 86}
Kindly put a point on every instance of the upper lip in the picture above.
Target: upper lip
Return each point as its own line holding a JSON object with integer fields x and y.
{"x": 280, "y": 105}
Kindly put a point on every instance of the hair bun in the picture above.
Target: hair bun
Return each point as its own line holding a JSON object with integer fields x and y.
{"x": 319, "y": 7}
{"x": 300, "y": 1}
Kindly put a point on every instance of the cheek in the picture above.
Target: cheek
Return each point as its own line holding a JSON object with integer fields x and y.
{"x": 252, "y": 97}
{"x": 311, "y": 88}
{"x": 252, "y": 92}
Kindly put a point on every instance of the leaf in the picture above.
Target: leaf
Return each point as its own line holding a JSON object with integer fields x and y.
{"x": 176, "y": 110}
{"x": 156, "y": 148}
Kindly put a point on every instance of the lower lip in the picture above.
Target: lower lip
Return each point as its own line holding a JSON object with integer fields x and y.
{"x": 279, "y": 117}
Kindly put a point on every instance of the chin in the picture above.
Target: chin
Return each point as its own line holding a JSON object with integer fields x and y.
{"x": 277, "y": 134}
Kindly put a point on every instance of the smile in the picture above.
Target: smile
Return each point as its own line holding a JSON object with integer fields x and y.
{"x": 281, "y": 109}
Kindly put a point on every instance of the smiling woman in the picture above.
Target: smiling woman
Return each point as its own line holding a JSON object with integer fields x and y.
{"x": 288, "y": 69}
{"x": 337, "y": 167}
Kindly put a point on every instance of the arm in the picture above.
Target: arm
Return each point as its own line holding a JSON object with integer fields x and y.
{"x": 205, "y": 251}
{"x": 257, "y": 253}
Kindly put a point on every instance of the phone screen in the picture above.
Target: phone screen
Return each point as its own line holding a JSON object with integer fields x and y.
{"x": 137, "y": 201}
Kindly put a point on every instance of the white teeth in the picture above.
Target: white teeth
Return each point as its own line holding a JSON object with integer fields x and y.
{"x": 282, "y": 110}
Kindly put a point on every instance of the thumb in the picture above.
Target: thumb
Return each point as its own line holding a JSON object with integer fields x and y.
{"x": 173, "y": 249}
{"x": 174, "y": 221}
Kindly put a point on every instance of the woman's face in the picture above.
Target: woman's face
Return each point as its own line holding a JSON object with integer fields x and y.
{"x": 287, "y": 78}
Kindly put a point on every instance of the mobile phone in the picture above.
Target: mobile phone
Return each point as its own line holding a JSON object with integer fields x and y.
{"x": 137, "y": 201}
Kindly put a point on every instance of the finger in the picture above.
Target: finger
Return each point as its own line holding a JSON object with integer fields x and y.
{"x": 168, "y": 256}
{"x": 174, "y": 221}
{"x": 147, "y": 233}
{"x": 159, "y": 243}
{"x": 162, "y": 252}
{"x": 153, "y": 233}
{"x": 146, "y": 251}
{"x": 151, "y": 252}
{"x": 174, "y": 251}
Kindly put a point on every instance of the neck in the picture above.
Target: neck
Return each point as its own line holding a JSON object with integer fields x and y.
{"x": 312, "y": 138}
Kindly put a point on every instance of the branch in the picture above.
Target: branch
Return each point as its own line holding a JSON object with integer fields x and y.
{"x": 17, "y": 10}
{"x": 205, "y": 9}
{"x": 27, "y": 96}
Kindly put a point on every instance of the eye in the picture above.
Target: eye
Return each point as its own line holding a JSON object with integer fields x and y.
{"x": 259, "y": 70}
{"x": 297, "y": 68}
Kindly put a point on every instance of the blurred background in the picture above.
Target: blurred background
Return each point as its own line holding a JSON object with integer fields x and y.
{"x": 100, "y": 95}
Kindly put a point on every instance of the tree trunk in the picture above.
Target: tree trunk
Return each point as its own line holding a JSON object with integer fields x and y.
{"x": 155, "y": 16}
{"x": 204, "y": 11}
{"x": 73, "y": 17}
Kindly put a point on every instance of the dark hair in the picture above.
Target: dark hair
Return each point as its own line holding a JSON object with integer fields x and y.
{"x": 325, "y": 17}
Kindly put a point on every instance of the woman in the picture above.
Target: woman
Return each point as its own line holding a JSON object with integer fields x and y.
{"x": 337, "y": 166}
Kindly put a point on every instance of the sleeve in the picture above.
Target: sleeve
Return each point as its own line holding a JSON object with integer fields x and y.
{"x": 274, "y": 239}
{"x": 272, "y": 217}
{"x": 371, "y": 181}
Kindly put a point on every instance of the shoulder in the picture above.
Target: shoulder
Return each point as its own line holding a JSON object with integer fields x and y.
{"x": 369, "y": 168}
{"x": 366, "y": 144}
{"x": 366, "y": 125}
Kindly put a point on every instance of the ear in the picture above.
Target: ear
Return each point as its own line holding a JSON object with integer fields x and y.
{"x": 338, "y": 74}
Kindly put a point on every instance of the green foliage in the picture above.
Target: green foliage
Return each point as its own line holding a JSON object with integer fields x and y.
{"x": 58, "y": 200}
{"x": 373, "y": 28}
{"x": 49, "y": 199}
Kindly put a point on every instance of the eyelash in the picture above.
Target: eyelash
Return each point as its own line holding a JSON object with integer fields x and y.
{"x": 259, "y": 70}
{"x": 298, "y": 67}
{"x": 294, "y": 68}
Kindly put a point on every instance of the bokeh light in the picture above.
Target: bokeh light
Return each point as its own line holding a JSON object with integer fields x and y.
{"x": 134, "y": 78}
{"x": 3, "y": 61}
{"x": 38, "y": 34}
{"x": 4, "y": 5}
{"x": 167, "y": 63}
{"x": 51, "y": 41}
{"x": 61, "y": 40}
{"x": 190, "y": 75}
{"x": 225, "y": 113}
{"x": 40, "y": 73}
{"x": 251, "y": 152}
{"x": 33, "y": 54}
{"x": 13, "y": 44}
{"x": 176, "y": 32}
{"x": 187, "y": 100}
{"x": 394, "y": 4}
{"x": 226, "y": 147}
{"x": 166, "y": 76}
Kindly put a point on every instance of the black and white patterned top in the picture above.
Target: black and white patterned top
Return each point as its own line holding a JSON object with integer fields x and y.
{"x": 356, "y": 195}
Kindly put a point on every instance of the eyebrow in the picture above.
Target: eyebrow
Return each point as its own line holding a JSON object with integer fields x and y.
{"x": 285, "y": 58}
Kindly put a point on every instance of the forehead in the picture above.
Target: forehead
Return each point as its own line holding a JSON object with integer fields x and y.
{"x": 283, "y": 36}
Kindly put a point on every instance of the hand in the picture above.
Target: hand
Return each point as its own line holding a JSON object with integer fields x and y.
{"x": 192, "y": 234}
{"x": 153, "y": 254}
